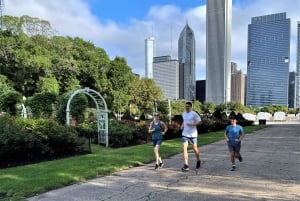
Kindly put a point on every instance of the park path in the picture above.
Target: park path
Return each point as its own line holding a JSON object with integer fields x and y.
{"x": 270, "y": 171}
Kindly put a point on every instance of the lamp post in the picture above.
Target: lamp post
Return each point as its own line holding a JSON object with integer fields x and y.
{"x": 155, "y": 105}
{"x": 170, "y": 112}
{"x": 24, "y": 110}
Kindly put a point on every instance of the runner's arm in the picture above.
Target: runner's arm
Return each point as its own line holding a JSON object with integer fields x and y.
{"x": 150, "y": 130}
{"x": 241, "y": 136}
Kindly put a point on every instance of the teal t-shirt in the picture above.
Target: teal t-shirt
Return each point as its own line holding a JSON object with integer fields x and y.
{"x": 157, "y": 134}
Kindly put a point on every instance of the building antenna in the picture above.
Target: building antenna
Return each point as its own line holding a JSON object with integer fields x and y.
{"x": 152, "y": 32}
{"x": 171, "y": 37}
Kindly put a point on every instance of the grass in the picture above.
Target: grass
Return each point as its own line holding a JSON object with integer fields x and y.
{"x": 17, "y": 183}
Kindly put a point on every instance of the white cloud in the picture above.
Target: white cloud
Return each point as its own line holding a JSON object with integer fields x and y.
{"x": 73, "y": 18}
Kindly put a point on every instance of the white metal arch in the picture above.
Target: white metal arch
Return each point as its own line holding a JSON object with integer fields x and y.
{"x": 102, "y": 112}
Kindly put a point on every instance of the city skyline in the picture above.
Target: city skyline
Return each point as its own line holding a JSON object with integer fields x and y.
{"x": 122, "y": 33}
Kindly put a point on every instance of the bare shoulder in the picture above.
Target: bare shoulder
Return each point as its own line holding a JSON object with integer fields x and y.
{"x": 163, "y": 123}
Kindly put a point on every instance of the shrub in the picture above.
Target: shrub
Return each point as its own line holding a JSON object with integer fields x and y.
{"x": 206, "y": 126}
{"x": 62, "y": 140}
{"x": 41, "y": 104}
{"x": 141, "y": 135}
{"x": 9, "y": 100}
{"x": 173, "y": 132}
{"x": 26, "y": 140}
{"x": 120, "y": 134}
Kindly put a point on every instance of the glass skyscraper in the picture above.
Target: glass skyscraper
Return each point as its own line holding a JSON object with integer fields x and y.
{"x": 268, "y": 60}
{"x": 298, "y": 68}
{"x": 292, "y": 90}
{"x": 218, "y": 50}
{"x": 186, "y": 58}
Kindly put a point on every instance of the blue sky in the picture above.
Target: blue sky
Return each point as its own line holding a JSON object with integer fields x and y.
{"x": 126, "y": 10}
{"x": 120, "y": 27}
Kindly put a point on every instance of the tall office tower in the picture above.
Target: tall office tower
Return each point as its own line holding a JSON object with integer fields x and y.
{"x": 292, "y": 90}
{"x": 165, "y": 75}
{"x": 233, "y": 67}
{"x": 238, "y": 81}
{"x": 218, "y": 50}
{"x": 298, "y": 68}
{"x": 2, "y": 13}
{"x": 268, "y": 60}
{"x": 186, "y": 58}
{"x": 150, "y": 51}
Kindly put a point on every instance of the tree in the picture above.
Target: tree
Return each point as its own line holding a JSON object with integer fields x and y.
{"x": 34, "y": 26}
{"x": 92, "y": 63}
{"x": 41, "y": 104}
{"x": 48, "y": 84}
{"x": 64, "y": 67}
{"x": 9, "y": 101}
{"x": 5, "y": 84}
{"x": 28, "y": 25}
{"x": 120, "y": 79}
{"x": 274, "y": 108}
{"x": 197, "y": 106}
{"x": 236, "y": 107}
{"x": 143, "y": 93}
{"x": 120, "y": 103}
{"x": 177, "y": 107}
{"x": 208, "y": 107}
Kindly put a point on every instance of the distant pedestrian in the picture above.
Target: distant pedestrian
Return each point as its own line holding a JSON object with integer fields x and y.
{"x": 234, "y": 134}
{"x": 157, "y": 128}
{"x": 189, "y": 135}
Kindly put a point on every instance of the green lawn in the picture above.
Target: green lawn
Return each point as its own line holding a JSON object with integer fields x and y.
{"x": 17, "y": 183}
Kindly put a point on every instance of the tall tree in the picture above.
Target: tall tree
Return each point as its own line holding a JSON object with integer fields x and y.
{"x": 91, "y": 62}
{"x": 5, "y": 84}
{"x": 143, "y": 94}
{"x": 208, "y": 107}
{"x": 120, "y": 78}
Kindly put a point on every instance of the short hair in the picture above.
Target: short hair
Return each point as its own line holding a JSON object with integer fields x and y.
{"x": 232, "y": 117}
{"x": 189, "y": 103}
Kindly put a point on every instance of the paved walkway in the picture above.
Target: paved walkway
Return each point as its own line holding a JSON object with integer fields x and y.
{"x": 270, "y": 171}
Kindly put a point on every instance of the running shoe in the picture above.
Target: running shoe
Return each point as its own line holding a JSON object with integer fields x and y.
{"x": 156, "y": 166}
{"x": 233, "y": 168}
{"x": 198, "y": 164}
{"x": 161, "y": 165}
{"x": 185, "y": 168}
{"x": 240, "y": 158}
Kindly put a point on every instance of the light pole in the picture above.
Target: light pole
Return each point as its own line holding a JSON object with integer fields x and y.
{"x": 24, "y": 110}
{"x": 155, "y": 105}
{"x": 170, "y": 112}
